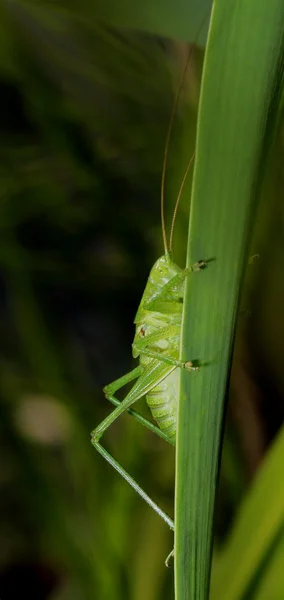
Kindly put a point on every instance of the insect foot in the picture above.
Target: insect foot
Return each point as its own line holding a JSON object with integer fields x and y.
{"x": 171, "y": 555}
{"x": 200, "y": 264}
{"x": 253, "y": 258}
{"x": 190, "y": 366}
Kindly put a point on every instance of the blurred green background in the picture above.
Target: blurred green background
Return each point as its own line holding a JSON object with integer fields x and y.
{"x": 85, "y": 110}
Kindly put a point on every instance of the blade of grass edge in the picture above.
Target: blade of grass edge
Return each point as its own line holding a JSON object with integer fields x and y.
{"x": 239, "y": 79}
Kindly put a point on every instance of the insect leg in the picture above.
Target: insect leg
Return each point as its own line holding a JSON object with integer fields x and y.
{"x": 171, "y": 555}
{"x": 170, "y": 331}
{"x": 189, "y": 365}
{"x": 133, "y": 484}
{"x": 151, "y": 376}
{"x": 197, "y": 266}
{"x": 173, "y": 291}
{"x": 143, "y": 421}
{"x": 110, "y": 390}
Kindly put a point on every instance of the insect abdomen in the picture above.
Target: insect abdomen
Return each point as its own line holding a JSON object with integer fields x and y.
{"x": 162, "y": 401}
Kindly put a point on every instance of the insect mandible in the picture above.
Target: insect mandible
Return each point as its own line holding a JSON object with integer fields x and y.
{"x": 156, "y": 344}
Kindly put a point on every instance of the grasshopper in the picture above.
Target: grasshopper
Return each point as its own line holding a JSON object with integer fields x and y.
{"x": 156, "y": 344}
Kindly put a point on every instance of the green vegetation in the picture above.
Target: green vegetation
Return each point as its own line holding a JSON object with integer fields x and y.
{"x": 231, "y": 149}
{"x": 86, "y": 96}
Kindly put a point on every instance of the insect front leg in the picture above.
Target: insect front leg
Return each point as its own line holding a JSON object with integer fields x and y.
{"x": 173, "y": 291}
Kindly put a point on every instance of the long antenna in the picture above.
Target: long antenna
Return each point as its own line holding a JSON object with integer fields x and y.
{"x": 165, "y": 161}
{"x": 173, "y": 113}
{"x": 178, "y": 200}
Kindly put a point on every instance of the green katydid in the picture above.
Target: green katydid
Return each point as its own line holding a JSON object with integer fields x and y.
{"x": 156, "y": 344}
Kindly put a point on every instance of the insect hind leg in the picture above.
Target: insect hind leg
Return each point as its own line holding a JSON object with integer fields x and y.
{"x": 109, "y": 391}
{"x": 133, "y": 484}
{"x": 111, "y": 388}
{"x": 142, "y": 386}
{"x": 143, "y": 421}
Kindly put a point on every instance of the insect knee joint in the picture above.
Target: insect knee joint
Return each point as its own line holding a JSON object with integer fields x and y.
{"x": 95, "y": 436}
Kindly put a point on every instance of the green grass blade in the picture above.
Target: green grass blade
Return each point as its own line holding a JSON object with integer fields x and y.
{"x": 254, "y": 542}
{"x": 272, "y": 584}
{"x": 241, "y": 84}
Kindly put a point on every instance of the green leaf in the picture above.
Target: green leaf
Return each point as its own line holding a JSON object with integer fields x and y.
{"x": 256, "y": 532}
{"x": 242, "y": 82}
{"x": 272, "y": 584}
